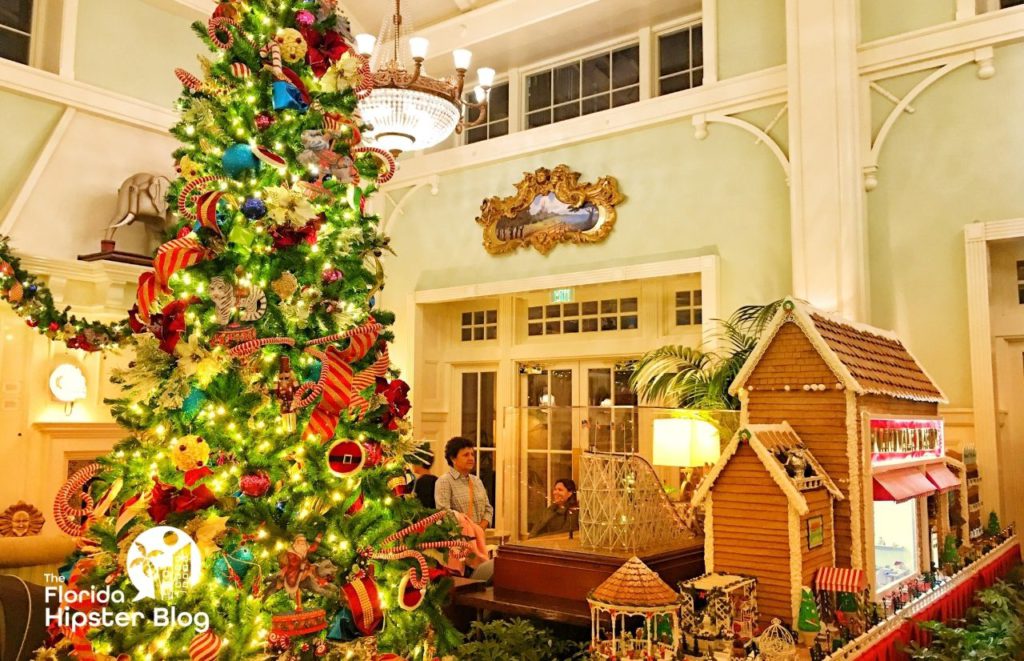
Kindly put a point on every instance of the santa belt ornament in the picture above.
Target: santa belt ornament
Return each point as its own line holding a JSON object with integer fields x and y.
{"x": 364, "y": 602}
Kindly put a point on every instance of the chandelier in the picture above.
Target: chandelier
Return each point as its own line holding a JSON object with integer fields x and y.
{"x": 408, "y": 109}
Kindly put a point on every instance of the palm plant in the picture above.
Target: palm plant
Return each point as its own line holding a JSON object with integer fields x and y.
{"x": 694, "y": 379}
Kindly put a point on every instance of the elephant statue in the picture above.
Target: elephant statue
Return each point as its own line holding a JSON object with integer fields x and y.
{"x": 142, "y": 196}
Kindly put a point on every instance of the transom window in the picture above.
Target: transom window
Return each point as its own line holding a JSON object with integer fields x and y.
{"x": 611, "y": 314}
{"x": 689, "y": 307}
{"x": 479, "y": 325}
{"x": 599, "y": 82}
{"x": 15, "y": 29}
{"x": 496, "y": 123}
{"x": 1020, "y": 282}
{"x": 681, "y": 59}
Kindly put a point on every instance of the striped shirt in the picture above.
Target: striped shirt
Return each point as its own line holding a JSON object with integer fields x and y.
{"x": 452, "y": 493}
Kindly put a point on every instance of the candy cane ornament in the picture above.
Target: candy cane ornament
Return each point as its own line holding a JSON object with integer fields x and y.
{"x": 67, "y": 517}
{"x": 383, "y": 155}
{"x": 186, "y": 204}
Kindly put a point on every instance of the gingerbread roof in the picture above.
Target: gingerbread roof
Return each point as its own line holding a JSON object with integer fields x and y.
{"x": 773, "y": 444}
{"x": 865, "y": 359}
{"x": 634, "y": 584}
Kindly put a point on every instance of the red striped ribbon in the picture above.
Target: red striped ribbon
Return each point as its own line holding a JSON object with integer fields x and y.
{"x": 336, "y": 381}
{"x": 206, "y": 209}
{"x": 185, "y": 206}
{"x": 245, "y": 348}
{"x": 173, "y": 256}
{"x": 365, "y": 379}
{"x": 145, "y": 294}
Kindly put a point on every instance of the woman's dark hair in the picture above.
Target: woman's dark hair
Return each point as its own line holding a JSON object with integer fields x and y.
{"x": 454, "y": 446}
{"x": 568, "y": 483}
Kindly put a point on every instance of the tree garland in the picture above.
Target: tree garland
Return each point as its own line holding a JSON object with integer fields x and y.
{"x": 32, "y": 301}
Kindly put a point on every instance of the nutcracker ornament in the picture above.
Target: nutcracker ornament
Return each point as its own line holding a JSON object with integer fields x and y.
{"x": 284, "y": 389}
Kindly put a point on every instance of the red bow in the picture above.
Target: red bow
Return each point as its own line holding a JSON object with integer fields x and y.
{"x": 396, "y": 393}
{"x": 168, "y": 499}
{"x": 323, "y": 49}
{"x": 286, "y": 237}
{"x": 167, "y": 325}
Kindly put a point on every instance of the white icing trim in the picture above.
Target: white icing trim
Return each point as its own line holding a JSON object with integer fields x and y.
{"x": 858, "y": 484}
{"x": 796, "y": 578}
{"x": 832, "y": 517}
{"x": 709, "y": 537}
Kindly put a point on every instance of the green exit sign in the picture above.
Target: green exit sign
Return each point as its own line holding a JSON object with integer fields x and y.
{"x": 562, "y": 295}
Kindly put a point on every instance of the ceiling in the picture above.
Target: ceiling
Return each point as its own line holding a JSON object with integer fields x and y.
{"x": 518, "y": 33}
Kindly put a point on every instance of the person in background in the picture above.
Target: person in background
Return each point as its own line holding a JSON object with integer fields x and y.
{"x": 563, "y": 513}
{"x": 459, "y": 489}
{"x": 421, "y": 463}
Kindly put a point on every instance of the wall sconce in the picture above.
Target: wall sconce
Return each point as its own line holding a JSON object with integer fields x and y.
{"x": 67, "y": 383}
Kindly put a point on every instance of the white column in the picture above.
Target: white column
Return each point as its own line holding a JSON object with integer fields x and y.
{"x": 709, "y": 27}
{"x": 826, "y": 189}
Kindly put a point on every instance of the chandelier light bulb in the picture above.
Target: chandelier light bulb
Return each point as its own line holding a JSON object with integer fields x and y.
{"x": 486, "y": 76}
{"x": 462, "y": 58}
{"x": 418, "y": 46}
{"x": 365, "y": 43}
{"x": 480, "y": 93}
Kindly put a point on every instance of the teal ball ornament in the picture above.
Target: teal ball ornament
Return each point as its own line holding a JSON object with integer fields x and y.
{"x": 238, "y": 159}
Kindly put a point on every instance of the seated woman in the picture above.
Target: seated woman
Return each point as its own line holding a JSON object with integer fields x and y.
{"x": 563, "y": 513}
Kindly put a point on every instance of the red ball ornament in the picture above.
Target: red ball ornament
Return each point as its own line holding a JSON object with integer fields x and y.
{"x": 305, "y": 647}
{"x": 32, "y": 323}
{"x": 332, "y": 275}
{"x": 304, "y": 18}
{"x": 263, "y": 121}
{"x": 53, "y": 326}
{"x": 254, "y": 485}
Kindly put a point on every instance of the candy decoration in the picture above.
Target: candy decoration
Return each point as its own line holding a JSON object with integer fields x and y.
{"x": 385, "y": 156}
{"x": 264, "y": 120}
{"x": 336, "y": 124}
{"x": 206, "y": 210}
{"x": 189, "y": 80}
{"x": 67, "y": 517}
{"x": 255, "y": 485}
{"x": 240, "y": 70}
{"x": 185, "y": 204}
{"x": 239, "y": 158}
{"x": 364, "y": 601}
{"x": 205, "y": 647}
{"x": 270, "y": 158}
{"x": 345, "y": 458}
{"x": 218, "y": 26}
{"x": 293, "y": 45}
{"x": 304, "y": 18}
{"x": 189, "y": 452}
{"x": 410, "y": 597}
{"x": 188, "y": 168}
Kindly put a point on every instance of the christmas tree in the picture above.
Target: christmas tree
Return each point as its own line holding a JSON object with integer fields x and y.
{"x": 808, "y": 619}
{"x": 992, "y": 528}
{"x": 265, "y": 423}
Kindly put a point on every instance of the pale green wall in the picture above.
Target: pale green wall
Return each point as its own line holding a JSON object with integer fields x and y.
{"x": 885, "y": 18}
{"x": 751, "y": 36}
{"x": 954, "y": 161}
{"x": 132, "y": 47}
{"x": 685, "y": 197}
{"x": 29, "y": 122}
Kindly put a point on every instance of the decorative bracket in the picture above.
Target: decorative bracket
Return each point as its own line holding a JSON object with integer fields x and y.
{"x": 399, "y": 208}
{"x": 983, "y": 57}
{"x": 700, "y": 131}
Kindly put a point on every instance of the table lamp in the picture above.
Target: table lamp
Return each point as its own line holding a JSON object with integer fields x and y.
{"x": 685, "y": 443}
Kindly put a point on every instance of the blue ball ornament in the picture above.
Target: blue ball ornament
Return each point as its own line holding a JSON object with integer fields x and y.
{"x": 193, "y": 402}
{"x": 254, "y": 208}
{"x": 238, "y": 159}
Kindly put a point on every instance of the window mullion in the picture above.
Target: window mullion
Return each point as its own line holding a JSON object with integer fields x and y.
{"x": 516, "y": 101}
{"x": 647, "y": 62}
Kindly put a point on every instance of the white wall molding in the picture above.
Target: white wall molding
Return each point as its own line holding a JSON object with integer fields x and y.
{"x": 983, "y": 385}
{"x": 113, "y": 284}
{"x": 919, "y": 50}
{"x": 28, "y": 81}
{"x": 731, "y": 96}
{"x": 700, "y": 131}
{"x": 399, "y": 207}
{"x": 68, "y": 39}
{"x": 986, "y": 69}
{"x": 28, "y": 186}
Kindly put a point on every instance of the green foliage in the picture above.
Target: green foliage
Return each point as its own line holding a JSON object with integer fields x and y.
{"x": 516, "y": 640}
{"x": 993, "y": 631}
{"x": 992, "y": 528}
{"x": 694, "y": 379}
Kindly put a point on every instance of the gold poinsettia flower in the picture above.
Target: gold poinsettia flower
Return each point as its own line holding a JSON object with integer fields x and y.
{"x": 342, "y": 74}
{"x": 287, "y": 206}
{"x": 196, "y": 361}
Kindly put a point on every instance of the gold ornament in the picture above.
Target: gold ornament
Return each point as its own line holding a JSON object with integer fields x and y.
{"x": 189, "y": 452}
{"x": 293, "y": 45}
{"x": 285, "y": 285}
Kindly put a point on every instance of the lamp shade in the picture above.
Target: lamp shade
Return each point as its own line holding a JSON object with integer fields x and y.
{"x": 685, "y": 442}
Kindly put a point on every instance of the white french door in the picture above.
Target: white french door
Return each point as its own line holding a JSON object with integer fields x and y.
{"x": 564, "y": 409}
{"x": 477, "y": 421}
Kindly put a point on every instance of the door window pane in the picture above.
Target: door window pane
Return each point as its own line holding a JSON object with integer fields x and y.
{"x": 895, "y": 542}
{"x": 470, "y": 395}
{"x": 487, "y": 409}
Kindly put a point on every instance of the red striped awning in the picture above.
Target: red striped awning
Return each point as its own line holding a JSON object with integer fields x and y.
{"x": 839, "y": 579}
{"x": 942, "y": 477}
{"x": 902, "y": 484}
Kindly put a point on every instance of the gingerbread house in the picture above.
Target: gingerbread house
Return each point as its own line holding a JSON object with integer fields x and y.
{"x": 866, "y": 409}
{"x": 769, "y": 507}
